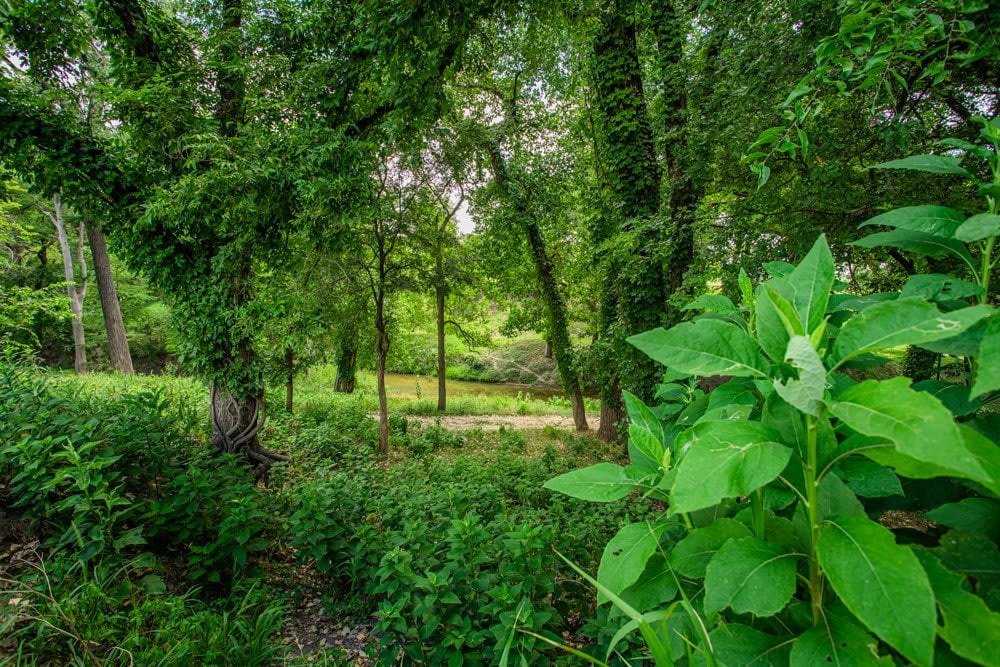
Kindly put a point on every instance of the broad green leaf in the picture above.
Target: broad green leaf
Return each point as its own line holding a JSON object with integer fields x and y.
{"x": 979, "y": 227}
{"x": 644, "y": 429}
{"x": 625, "y": 557}
{"x": 843, "y": 302}
{"x": 810, "y": 285}
{"x": 970, "y": 627}
{"x": 904, "y": 465}
{"x": 986, "y": 453}
{"x": 881, "y": 583}
{"x": 837, "y": 641}
{"x": 725, "y": 460}
{"x": 770, "y": 328}
{"x": 806, "y": 392}
{"x": 988, "y": 363}
{"x": 918, "y": 242}
{"x": 691, "y": 555}
{"x": 910, "y": 321}
{"x": 778, "y": 269}
{"x": 934, "y": 164}
{"x": 981, "y": 515}
{"x": 601, "y": 483}
{"x": 955, "y": 397}
{"x": 915, "y": 422}
{"x": 867, "y": 478}
{"x": 750, "y": 576}
{"x": 736, "y": 644}
{"x": 705, "y": 347}
{"x": 656, "y": 586}
{"x": 934, "y": 220}
{"x": 714, "y": 303}
{"x": 939, "y": 287}
{"x": 735, "y": 392}
{"x": 965, "y": 344}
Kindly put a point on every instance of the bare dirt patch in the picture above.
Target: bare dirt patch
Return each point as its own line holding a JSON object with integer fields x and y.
{"x": 494, "y": 422}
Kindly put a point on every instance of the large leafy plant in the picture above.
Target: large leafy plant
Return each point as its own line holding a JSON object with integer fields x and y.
{"x": 766, "y": 553}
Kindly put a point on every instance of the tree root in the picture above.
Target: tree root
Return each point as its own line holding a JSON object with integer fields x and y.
{"x": 235, "y": 427}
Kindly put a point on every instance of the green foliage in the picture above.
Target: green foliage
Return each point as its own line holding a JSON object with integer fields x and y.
{"x": 766, "y": 478}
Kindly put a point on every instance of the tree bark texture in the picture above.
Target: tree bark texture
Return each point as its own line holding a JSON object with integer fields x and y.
{"x": 381, "y": 352}
{"x": 75, "y": 291}
{"x": 121, "y": 358}
{"x": 236, "y": 423}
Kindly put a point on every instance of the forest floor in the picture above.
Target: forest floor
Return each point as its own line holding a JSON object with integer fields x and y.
{"x": 496, "y": 422}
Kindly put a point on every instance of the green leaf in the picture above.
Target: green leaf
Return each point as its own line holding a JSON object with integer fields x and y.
{"x": 152, "y": 584}
{"x": 987, "y": 455}
{"x": 939, "y": 287}
{"x": 979, "y": 227}
{"x": 750, "y": 576}
{"x": 934, "y": 164}
{"x": 910, "y": 321}
{"x": 881, "y": 583}
{"x": 988, "y": 363}
{"x": 837, "y": 641}
{"x": 806, "y": 392}
{"x": 772, "y": 334}
{"x": 725, "y": 460}
{"x": 918, "y": 242}
{"x": 625, "y": 557}
{"x": 644, "y": 429}
{"x": 810, "y": 285}
{"x": 778, "y": 269}
{"x": 656, "y": 586}
{"x": 935, "y": 220}
{"x": 868, "y": 479}
{"x": 601, "y": 483}
{"x": 736, "y": 644}
{"x": 971, "y": 629}
{"x": 691, "y": 555}
{"x": 981, "y": 515}
{"x": 706, "y": 347}
{"x": 955, "y": 397}
{"x": 714, "y": 303}
{"x": 915, "y": 422}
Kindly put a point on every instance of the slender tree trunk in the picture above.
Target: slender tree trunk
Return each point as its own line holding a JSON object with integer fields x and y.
{"x": 290, "y": 369}
{"x": 442, "y": 380}
{"x": 75, "y": 291}
{"x": 381, "y": 352}
{"x": 579, "y": 409}
{"x": 121, "y": 359}
{"x": 548, "y": 349}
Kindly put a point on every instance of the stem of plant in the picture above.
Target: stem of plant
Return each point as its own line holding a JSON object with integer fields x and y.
{"x": 812, "y": 498}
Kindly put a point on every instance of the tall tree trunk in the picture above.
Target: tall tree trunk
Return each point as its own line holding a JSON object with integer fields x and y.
{"x": 347, "y": 358}
{"x": 381, "y": 352}
{"x": 290, "y": 370}
{"x": 121, "y": 359}
{"x": 75, "y": 291}
{"x": 442, "y": 381}
{"x": 558, "y": 327}
{"x": 612, "y": 412}
{"x": 555, "y": 305}
{"x": 548, "y": 349}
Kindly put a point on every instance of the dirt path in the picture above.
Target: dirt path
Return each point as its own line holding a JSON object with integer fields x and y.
{"x": 494, "y": 422}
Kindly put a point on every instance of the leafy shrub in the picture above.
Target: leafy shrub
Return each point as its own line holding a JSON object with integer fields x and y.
{"x": 767, "y": 479}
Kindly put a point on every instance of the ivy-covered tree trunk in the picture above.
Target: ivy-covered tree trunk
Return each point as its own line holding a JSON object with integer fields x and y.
{"x": 634, "y": 296}
{"x": 346, "y": 359}
{"x": 440, "y": 296}
{"x": 121, "y": 358}
{"x": 556, "y": 322}
{"x": 670, "y": 113}
{"x": 381, "y": 353}
{"x": 555, "y": 306}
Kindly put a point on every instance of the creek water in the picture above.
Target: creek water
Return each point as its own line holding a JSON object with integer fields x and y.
{"x": 425, "y": 386}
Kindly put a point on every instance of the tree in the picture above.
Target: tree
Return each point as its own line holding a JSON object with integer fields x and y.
{"x": 114, "y": 325}
{"x": 76, "y": 290}
{"x": 220, "y": 166}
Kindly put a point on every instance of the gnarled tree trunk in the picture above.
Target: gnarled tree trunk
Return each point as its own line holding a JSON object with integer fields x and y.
{"x": 236, "y": 423}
